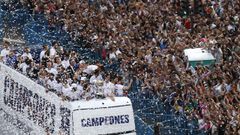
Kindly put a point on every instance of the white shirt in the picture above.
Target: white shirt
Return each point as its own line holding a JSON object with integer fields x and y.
{"x": 23, "y": 67}
{"x": 80, "y": 89}
{"x": 51, "y": 83}
{"x": 218, "y": 89}
{"x": 93, "y": 79}
{"x": 66, "y": 90}
{"x": 74, "y": 95}
{"x": 57, "y": 87}
{"x": 108, "y": 88}
{"x": 53, "y": 52}
{"x": 119, "y": 89}
{"x": 5, "y": 52}
{"x": 112, "y": 55}
{"x": 65, "y": 63}
{"x": 99, "y": 77}
{"x": 230, "y": 27}
{"x": 78, "y": 93}
{"x": 148, "y": 58}
{"x": 90, "y": 69}
{"x": 42, "y": 80}
{"x": 118, "y": 52}
{"x": 52, "y": 70}
{"x": 178, "y": 23}
{"x": 87, "y": 94}
{"x": 42, "y": 54}
{"x": 25, "y": 55}
{"x": 55, "y": 65}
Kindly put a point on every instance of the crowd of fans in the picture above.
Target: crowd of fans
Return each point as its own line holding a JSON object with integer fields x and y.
{"x": 64, "y": 73}
{"x": 148, "y": 38}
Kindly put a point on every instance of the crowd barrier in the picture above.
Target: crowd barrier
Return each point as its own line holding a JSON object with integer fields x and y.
{"x": 142, "y": 128}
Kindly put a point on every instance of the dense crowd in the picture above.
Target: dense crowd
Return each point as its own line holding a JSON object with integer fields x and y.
{"x": 64, "y": 73}
{"x": 148, "y": 38}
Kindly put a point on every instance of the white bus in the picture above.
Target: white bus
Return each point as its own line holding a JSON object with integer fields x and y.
{"x": 199, "y": 56}
{"x": 33, "y": 111}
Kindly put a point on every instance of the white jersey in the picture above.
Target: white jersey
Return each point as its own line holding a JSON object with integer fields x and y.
{"x": 108, "y": 88}
{"x": 74, "y": 95}
{"x": 90, "y": 69}
{"x": 56, "y": 65}
{"x": 88, "y": 94}
{"x": 5, "y": 52}
{"x": 66, "y": 90}
{"x": 51, "y": 83}
{"x": 53, "y": 52}
{"x": 119, "y": 89}
{"x": 42, "y": 54}
{"x": 23, "y": 67}
{"x": 52, "y": 70}
{"x": 58, "y": 87}
{"x": 80, "y": 89}
{"x": 65, "y": 63}
{"x": 27, "y": 55}
{"x": 93, "y": 79}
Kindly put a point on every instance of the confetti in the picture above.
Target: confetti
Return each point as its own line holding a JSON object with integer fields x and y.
{"x": 151, "y": 35}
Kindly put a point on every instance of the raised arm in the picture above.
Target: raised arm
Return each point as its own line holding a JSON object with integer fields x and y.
{"x": 129, "y": 85}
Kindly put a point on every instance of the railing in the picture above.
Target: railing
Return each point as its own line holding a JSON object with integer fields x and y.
{"x": 142, "y": 127}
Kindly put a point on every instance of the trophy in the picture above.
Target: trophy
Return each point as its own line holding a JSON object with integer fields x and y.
{"x": 98, "y": 84}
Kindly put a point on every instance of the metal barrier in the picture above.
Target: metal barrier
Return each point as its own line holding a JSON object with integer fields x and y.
{"x": 179, "y": 131}
{"x": 142, "y": 127}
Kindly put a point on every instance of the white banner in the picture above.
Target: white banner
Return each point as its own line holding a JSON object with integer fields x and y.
{"x": 41, "y": 112}
{"x": 118, "y": 120}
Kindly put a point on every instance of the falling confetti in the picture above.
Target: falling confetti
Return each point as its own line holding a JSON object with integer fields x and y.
{"x": 145, "y": 40}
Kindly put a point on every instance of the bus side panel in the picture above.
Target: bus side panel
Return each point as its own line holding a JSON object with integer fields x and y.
{"x": 108, "y": 120}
